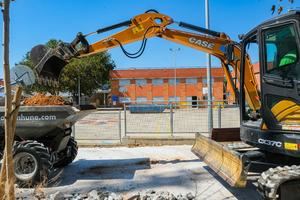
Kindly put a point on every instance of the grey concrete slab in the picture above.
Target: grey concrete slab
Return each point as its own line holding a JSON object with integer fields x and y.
{"x": 128, "y": 171}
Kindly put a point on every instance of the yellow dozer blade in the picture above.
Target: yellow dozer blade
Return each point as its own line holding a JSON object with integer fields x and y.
{"x": 225, "y": 162}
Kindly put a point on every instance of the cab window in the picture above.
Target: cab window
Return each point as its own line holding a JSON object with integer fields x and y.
{"x": 282, "y": 53}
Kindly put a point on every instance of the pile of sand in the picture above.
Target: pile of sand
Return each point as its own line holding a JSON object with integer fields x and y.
{"x": 42, "y": 99}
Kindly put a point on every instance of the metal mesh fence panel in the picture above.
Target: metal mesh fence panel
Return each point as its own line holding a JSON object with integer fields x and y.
{"x": 99, "y": 126}
{"x": 148, "y": 122}
{"x": 190, "y": 120}
{"x": 181, "y": 119}
{"x": 178, "y": 118}
{"x": 230, "y": 117}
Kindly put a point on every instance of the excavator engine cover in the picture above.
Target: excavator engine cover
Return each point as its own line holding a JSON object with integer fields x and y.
{"x": 228, "y": 164}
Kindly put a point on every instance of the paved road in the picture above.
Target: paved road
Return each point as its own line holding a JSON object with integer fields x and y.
{"x": 131, "y": 170}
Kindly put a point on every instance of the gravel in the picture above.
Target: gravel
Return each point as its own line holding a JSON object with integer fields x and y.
{"x": 105, "y": 195}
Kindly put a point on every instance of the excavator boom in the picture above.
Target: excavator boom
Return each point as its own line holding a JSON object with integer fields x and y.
{"x": 49, "y": 64}
{"x": 152, "y": 24}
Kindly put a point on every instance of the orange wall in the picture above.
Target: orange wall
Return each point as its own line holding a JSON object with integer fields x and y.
{"x": 165, "y": 90}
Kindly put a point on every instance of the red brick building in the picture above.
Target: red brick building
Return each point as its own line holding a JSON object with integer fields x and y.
{"x": 158, "y": 85}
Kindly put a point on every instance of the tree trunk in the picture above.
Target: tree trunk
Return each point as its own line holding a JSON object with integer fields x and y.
{"x": 7, "y": 172}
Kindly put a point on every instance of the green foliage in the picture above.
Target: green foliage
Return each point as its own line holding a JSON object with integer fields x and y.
{"x": 279, "y": 7}
{"x": 93, "y": 71}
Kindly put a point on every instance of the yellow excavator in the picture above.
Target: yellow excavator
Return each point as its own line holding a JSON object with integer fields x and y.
{"x": 269, "y": 134}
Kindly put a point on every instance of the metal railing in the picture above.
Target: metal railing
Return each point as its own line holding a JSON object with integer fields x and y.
{"x": 177, "y": 118}
{"x": 152, "y": 119}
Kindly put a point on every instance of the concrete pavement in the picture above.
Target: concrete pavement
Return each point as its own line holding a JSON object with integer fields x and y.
{"x": 128, "y": 171}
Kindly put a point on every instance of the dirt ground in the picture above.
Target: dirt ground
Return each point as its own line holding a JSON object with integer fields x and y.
{"x": 129, "y": 171}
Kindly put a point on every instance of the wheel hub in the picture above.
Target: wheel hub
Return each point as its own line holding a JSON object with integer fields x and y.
{"x": 26, "y": 166}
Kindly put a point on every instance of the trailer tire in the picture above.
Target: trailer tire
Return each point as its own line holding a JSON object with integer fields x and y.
{"x": 67, "y": 159}
{"x": 32, "y": 164}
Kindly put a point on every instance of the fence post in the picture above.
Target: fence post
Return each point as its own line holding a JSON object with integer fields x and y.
{"x": 125, "y": 121}
{"x": 171, "y": 119}
{"x": 219, "y": 116}
{"x": 120, "y": 127}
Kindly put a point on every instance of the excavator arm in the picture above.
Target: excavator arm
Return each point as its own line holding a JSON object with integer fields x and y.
{"x": 140, "y": 28}
{"x": 227, "y": 51}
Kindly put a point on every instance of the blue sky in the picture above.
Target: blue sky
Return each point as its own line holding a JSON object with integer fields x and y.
{"x": 34, "y": 22}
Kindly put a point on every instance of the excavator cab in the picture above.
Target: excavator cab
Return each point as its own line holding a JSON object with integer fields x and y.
{"x": 279, "y": 63}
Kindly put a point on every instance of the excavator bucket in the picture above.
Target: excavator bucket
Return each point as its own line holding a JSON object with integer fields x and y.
{"x": 227, "y": 163}
{"x": 48, "y": 62}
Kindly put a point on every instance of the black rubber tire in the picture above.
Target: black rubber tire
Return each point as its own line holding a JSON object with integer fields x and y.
{"x": 43, "y": 159}
{"x": 72, "y": 145}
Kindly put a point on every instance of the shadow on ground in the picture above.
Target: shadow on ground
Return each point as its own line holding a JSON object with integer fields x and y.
{"x": 249, "y": 192}
{"x": 120, "y": 175}
{"x": 101, "y": 170}
{"x": 107, "y": 169}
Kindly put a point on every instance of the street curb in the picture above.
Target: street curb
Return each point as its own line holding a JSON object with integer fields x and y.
{"x": 130, "y": 141}
{"x": 136, "y": 141}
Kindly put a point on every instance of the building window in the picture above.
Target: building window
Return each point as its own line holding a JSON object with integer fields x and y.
{"x": 140, "y": 82}
{"x": 192, "y": 101}
{"x": 188, "y": 101}
{"x": 124, "y": 82}
{"x": 191, "y": 81}
{"x": 122, "y": 89}
{"x": 174, "y": 99}
{"x": 172, "y": 81}
{"x": 204, "y": 81}
{"x": 205, "y": 90}
{"x": 157, "y": 81}
{"x": 141, "y": 99}
{"x": 205, "y": 97}
{"x": 158, "y": 99}
{"x": 124, "y": 100}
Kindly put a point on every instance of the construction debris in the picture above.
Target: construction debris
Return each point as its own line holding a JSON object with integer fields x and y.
{"x": 92, "y": 195}
{"x": 42, "y": 99}
{"x": 162, "y": 195}
{"x": 105, "y": 195}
